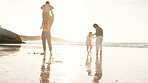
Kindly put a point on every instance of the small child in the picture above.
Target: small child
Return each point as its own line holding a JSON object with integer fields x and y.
{"x": 46, "y": 12}
{"x": 89, "y": 42}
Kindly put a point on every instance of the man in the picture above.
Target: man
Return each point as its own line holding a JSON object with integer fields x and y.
{"x": 46, "y": 26}
{"x": 99, "y": 39}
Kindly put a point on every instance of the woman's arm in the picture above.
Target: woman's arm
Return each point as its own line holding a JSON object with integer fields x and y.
{"x": 94, "y": 34}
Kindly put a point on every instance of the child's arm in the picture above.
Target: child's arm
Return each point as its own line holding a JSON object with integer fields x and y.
{"x": 42, "y": 6}
{"x": 51, "y": 7}
{"x": 93, "y": 37}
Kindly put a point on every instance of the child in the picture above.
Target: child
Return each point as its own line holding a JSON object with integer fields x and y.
{"x": 45, "y": 14}
{"x": 89, "y": 42}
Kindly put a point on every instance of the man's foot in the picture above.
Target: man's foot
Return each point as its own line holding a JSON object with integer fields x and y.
{"x": 44, "y": 53}
{"x": 96, "y": 53}
{"x": 87, "y": 53}
{"x": 101, "y": 53}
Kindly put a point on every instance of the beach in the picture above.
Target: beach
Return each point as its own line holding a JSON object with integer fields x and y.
{"x": 70, "y": 63}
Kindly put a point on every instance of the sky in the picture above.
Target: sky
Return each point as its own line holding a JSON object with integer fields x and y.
{"x": 121, "y": 20}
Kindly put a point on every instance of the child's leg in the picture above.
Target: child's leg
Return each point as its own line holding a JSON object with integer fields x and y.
{"x": 90, "y": 46}
{"x": 87, "y": 46}
{"x": 42, "y": 20}
{"x": 45, "y": 17}
{"x": 42, "y": 25}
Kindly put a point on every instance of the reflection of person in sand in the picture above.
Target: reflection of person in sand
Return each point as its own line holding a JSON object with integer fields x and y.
{"x": 88, "y": 65}
{"x": 9, "y": 49}
{"x": 45, "y": 71}
{"x": 46, "y": 26}
{"x": 98, "y": 71}
{"x": 89, "y": 42}
{"x": 99, "y": 38}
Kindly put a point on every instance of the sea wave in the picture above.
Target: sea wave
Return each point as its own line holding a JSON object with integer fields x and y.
{"x": 105, "y": 44}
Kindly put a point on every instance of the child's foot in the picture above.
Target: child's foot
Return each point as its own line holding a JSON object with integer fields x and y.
{"x": 90, "y": 52}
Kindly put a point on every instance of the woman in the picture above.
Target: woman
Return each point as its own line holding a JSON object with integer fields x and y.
{"x": 99, "y": 38}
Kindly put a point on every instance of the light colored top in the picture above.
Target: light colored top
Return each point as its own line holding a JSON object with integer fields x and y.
{"x": 89, "y": 39}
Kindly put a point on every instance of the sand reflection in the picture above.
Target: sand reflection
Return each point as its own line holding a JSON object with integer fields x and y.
{"x": 98, "y": 70}
{"x": 45, "y": 70}
{"x": 94, "y": 67}
{"x": 88, "y": 64}
{"x": 6, "y": 50}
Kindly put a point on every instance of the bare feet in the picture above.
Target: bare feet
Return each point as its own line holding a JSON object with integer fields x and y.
{"x": 100, "y": 52}
{"x": 50, "y": 53}
{"x": 90, "y": 52}
{"x": 96, "y": 52}
{"x": 44, "y": 53}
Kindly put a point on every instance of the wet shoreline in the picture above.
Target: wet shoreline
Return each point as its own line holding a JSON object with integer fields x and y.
{"x": 71, "y": 64}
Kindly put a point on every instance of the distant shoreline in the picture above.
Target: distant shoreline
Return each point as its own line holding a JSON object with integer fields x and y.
{"x": 35, "y": 38}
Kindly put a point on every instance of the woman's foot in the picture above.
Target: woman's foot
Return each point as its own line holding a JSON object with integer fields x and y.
{"x": 50, "y": 53}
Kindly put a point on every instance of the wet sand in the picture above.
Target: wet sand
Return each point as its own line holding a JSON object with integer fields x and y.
{"x": 71, "y": 64}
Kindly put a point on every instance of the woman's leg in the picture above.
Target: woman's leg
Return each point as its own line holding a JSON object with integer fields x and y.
{"x": 97, "y": 45}
{"x": 100, "y": 44}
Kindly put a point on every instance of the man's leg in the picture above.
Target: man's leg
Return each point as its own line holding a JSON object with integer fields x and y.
{"x": 44, "y": 41}
{"x": 49, "y": 42}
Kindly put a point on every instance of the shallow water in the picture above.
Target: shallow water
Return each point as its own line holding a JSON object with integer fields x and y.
{"x": 71, "y": 64}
